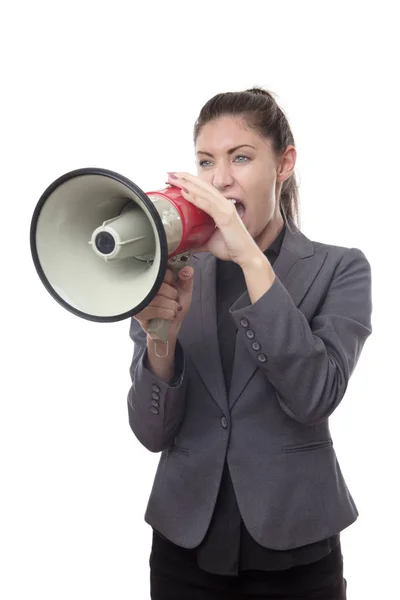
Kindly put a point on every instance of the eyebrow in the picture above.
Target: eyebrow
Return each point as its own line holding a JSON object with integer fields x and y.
{"x": 230, "y": 151}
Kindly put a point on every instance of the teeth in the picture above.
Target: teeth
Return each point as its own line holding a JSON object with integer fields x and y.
{"x": 233, "y": 200}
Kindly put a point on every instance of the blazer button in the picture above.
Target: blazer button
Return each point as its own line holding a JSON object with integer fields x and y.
{"x": 155, "y": 403}
{"x": 250, "y": 334}
{"x": 256, "y": 346}
{"x": 154, "y": 410}
{"x": 155, "y": 396}
{"x": 262, "y": 358}
{"x": 244, "y": 322}
{"x": 156, "y": 389}
{"x": 224, "y": 422}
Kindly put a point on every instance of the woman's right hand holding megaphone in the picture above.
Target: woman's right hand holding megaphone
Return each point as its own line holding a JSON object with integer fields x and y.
{"x": 172, "y": 303}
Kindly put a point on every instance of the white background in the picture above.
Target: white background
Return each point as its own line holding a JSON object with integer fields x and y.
{"x": 119, "y": 85}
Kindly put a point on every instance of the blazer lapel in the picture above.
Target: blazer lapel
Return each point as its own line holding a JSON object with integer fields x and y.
{"x": 199, "y": 331}
{"x": 296, "y": 266}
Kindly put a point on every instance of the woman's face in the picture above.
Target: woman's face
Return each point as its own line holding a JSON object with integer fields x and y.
{"x": 242, "y": 166}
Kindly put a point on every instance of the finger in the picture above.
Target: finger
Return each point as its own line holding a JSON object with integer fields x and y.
{"x": 145, "y": 319}
{"x": 194, "y": 179}
{"x": 168, "y": 291}
{"x": 199, "y": 187}
{"x": 161, "y": 311}
{"x": 163, "y": 302}
{"x": 203, "y": 189}
{"x": 169, "y": 277}
{"x": 205, "y": 197}
{"x": 186, "y": 279}
{"x": 219, "y": 208}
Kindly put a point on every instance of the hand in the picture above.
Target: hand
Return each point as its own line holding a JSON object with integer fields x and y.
{"x": 231, "y": 240}
{"x": 171, "y": 303}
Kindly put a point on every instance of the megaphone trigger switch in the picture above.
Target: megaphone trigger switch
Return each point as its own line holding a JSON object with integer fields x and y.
{"x": 105, "y": 242}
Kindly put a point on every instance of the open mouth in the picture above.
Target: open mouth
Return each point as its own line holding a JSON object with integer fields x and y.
{"x": 240, "y": 208}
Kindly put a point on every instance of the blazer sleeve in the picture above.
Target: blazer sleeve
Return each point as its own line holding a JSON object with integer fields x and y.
{"x": 309, "y": 364}
{"x": 155, "y": 407}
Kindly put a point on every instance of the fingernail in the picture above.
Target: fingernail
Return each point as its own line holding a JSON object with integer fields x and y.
{"x": 186, "y": 273}
{"x": 185, "y": 190}
{"x": 179, "y": 308}
{"x": 172, "y": 175}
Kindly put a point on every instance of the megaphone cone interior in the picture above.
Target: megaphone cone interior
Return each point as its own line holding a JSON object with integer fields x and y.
{"x": 99, "y": 244}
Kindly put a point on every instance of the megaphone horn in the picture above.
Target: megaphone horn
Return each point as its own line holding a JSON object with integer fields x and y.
{"x": 101, "y": 246}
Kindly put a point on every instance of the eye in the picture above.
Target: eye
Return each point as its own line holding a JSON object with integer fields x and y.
{"x": 204, "y": 163}
{"x": 243, "y": 159}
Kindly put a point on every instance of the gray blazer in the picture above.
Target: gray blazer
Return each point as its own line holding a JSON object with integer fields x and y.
{"x": 296, "y": 349}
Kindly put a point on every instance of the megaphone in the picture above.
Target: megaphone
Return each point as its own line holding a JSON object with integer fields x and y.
{"x": 101, "y": 246}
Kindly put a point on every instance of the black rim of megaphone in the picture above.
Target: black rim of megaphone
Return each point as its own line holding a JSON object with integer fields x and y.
{"x": 154, "y": 214}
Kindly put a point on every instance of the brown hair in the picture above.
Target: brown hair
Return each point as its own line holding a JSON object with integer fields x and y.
{"x": 261, "y": 112}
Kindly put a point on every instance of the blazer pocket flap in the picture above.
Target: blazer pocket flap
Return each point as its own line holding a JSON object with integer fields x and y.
{"x": 315, "y": 445}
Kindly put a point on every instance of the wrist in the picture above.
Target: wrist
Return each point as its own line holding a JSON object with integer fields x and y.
{"x": 253, "y": 260}
{"x": 259, "y": 276}
{"x": 161, "y": 358}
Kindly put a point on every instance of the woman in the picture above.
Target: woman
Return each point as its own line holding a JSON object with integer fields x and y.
{"x": 266, "y": 329}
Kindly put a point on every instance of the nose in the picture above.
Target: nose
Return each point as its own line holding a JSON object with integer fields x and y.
{"x": 222, "y": 177}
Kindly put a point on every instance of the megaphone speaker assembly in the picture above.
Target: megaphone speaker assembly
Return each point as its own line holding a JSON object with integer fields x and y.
{"x": 101, "y": 246}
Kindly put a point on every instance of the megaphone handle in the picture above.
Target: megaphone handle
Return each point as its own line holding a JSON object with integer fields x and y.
{"x": 158, "y": 329}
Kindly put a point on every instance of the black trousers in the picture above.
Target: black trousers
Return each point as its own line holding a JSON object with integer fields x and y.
{"x": 174, "y": 575}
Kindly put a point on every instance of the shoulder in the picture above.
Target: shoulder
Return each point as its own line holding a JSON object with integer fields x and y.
{"x": 344, "y": 268}
{"x": 341, "y": 255}
{"x": 336, "y": 253}
{"x": 334, "y": 259}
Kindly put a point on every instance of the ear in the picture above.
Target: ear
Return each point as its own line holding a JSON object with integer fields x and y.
{"x": 287, "y": 164}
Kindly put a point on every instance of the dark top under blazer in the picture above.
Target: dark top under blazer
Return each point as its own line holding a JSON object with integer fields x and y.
{"x": 295, "y": 350}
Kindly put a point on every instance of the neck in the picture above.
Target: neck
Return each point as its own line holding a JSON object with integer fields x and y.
{"x": 270, "y": 233}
